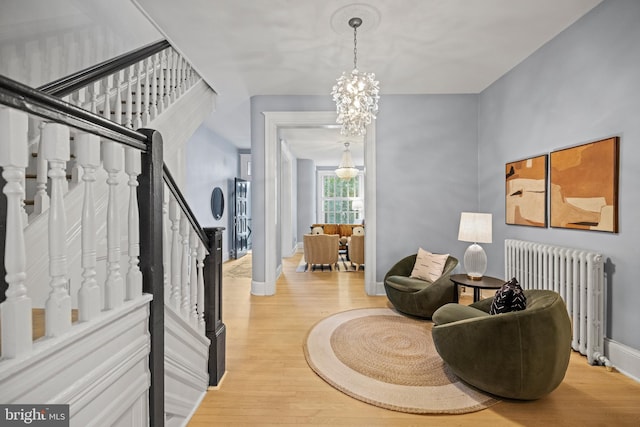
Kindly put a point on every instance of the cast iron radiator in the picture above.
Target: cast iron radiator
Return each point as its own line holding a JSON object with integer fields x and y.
{"x": 577, "y": 275}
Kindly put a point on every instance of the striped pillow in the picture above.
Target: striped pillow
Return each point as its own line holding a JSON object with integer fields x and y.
{"x": 428, "y": 266}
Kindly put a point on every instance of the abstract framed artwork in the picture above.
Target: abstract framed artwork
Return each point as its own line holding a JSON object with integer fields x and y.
{"x": 526, "y": 192}
{"x": 584, "y": 186}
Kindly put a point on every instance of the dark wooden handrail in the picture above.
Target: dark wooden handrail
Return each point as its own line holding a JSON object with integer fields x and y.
{"x": 22, "y": 97}
{"x": 182, "y": 202}
{"x": 67, "y": 85}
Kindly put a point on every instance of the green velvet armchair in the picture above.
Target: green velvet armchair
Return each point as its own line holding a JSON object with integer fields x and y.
{"x": 518, "y": 355}
{"x": 418, "y": 297}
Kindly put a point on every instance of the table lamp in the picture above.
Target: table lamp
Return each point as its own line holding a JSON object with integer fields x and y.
{"x": 475, "y": 228}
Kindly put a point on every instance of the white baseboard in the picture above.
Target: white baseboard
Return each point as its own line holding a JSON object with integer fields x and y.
{"x": 262, "y": 288}
{"x": 624, "y": 358}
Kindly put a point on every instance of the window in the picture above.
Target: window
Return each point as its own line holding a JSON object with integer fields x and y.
{"x": 336, "y": 198}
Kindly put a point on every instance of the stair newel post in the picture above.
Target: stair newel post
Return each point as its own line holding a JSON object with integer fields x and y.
{"x": 88, "y": 156}
{"x": 55, "y": 138}
{"x": 215, "y": 327}
{"x": 128, "y": 98}
{"x": 147, "y": 90}
{"x": 163, "y": 97}
{"x": 134, "y": 276}
{"x": 176, "y": 253}
{"x": 184, "y": 266}
{"x": 194, "y": 241}
{"x": 41, "y": 198}
{"x": 141, "y": 104}
{"x": 114, "y": 285}
{"x": 150, "y": 195}
{"x": 201, "y": 255}
{"x": 152, "y": 84}
{"x": 15, "y": 310}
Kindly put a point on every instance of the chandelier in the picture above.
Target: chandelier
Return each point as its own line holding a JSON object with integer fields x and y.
{"x": 355, "y": 94}
{"x": 347, "y": 169}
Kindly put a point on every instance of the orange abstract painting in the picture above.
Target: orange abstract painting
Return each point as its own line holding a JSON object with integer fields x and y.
{"x": 526, "y": 192}
{"x": 584, "y": 186}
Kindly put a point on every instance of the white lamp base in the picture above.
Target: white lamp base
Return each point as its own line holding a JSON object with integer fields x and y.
{"x": 475, "y": 262}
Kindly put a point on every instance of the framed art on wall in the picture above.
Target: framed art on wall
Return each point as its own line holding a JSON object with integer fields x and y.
{"x": 584, "y": 186}
{"x": 526, "y": 192}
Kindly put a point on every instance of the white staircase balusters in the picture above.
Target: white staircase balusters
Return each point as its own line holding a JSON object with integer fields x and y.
{"x": 166, "y": 244}
{"x": 137, "y": 113}
{"x": 184, "y": 266}
{"x": 146, "y": 118}
{"x": 94, "y": 90}
{"x": 88, "y": 156}
{"x": 179, "y": 77}
{"x": 163, "y": 95}
{"x": 114, "y": 285}
{"x": 106, "y": 104}
{"x": 41, "y": 198}
{"x": 201, "y": 254}
{"x": 188, "y": 75}
{"x": 152, "y": 84}
{"x": 16, "y": 309}
{"x": 128, "y": 98}
{"x": 117, "y": 106}
{"x": 132, "y": 167}
{"x": 55, "y": 138}
{"x": 171, "y": 77}
{"x": 176, "y": 254}
{"x": 194, "y": 241}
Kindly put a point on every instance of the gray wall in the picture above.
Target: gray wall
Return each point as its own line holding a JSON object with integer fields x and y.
{"x": 427, "y": 170}
{"x": 582, "y": 86}
{"x": 211, "y": 162}
{"x": 306, "y": 196}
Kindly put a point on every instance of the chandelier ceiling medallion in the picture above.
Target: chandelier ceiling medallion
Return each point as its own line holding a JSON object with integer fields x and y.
{"x": 347, "y": 169}
{"x": 355, "y": 94}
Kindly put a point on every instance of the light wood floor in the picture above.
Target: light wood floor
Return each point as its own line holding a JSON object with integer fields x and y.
{"x": 268, "y": 381}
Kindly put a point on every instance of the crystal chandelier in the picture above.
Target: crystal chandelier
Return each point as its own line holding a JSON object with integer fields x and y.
{"x": 347, "y": 169}
{"x": 355, "y": 94}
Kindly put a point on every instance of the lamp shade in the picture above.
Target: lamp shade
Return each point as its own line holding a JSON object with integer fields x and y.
{"x": 475, "y": 227}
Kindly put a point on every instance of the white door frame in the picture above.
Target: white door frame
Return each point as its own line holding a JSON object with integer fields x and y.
{"x": 273, "y": 120}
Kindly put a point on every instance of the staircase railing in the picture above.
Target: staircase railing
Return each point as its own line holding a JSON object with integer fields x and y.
{"x": 131, "y": 89}
{"x": 64, "y": 136}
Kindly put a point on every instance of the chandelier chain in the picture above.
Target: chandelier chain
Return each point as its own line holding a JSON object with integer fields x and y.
{"x": 355, "y": 48}
{"x": 356, "y": 94}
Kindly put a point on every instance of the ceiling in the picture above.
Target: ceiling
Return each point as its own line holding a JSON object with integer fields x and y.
{"x": 286, "y": 47}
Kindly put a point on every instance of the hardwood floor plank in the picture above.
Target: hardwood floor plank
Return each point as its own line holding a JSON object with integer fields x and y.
{"x": 268, "y": 382}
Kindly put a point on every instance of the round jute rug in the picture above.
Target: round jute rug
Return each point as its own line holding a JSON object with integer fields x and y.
{"x": 385, "y": 359}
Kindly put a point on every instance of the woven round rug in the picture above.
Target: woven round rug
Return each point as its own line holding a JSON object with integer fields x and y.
{"x": 385, "y": 359}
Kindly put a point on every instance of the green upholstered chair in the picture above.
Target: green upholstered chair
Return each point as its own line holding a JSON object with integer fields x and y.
{"x": 518, "y": 355}
{"x": 418, "y": 297}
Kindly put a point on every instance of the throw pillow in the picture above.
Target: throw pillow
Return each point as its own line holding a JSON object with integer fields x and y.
{"x": 429, "y": 266}
{"x": 510, "y": 297}
{"x": 317, "y": 230}
{"x": 358, "y": 231}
